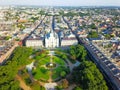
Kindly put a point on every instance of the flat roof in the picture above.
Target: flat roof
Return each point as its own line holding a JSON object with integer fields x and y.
{"x": 37, "y": 38}
{"x": 69, "y": 39}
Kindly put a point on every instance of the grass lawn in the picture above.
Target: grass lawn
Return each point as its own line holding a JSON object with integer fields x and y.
{"x": 38, "y": 57}
{"x": 41, "y": 73}
{"x": 45, "y": 60}
{"x": 58, "y": 60}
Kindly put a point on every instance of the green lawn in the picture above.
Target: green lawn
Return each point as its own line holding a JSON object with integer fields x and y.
{"x": 46, "y": 60}
{"x": 58, "y": 60}
{"x": 43, "y": 73}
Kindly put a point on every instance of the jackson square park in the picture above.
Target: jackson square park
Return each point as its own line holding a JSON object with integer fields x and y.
{"x": 51, "y": 69}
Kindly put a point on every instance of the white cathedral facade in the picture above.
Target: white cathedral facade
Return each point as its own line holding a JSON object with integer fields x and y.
{"x": 51, "y": 40}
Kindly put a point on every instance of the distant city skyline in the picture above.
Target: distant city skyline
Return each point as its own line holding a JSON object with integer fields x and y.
{"x": 62, "y": 2}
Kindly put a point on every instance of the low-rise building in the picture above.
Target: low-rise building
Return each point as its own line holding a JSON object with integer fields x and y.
{"x": 69, "y": 41}
{"x": 34, "y": 42}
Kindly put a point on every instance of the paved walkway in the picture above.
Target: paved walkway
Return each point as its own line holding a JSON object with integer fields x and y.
{"x": 50, "y": 77}
{"x": 22, "y": 83}
{"x": 71, "y": 87}
{"x": 50, "y": 86}
{"x": 71, "y": 65}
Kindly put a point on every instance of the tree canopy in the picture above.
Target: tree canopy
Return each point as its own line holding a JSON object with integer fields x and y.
{"x": 93, "y": 34}
{"x": 86, "y": 76}
{"x": 10, "y": 69}
{"x": 89, "y": 77}
{"x": 77, "y": 52}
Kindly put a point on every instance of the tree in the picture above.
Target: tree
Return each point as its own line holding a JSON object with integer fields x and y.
{"x": 59, "y": 87}
{"x": 7, "y": 37}
{"x": 63, "y": 56}
{"x": 93, "y": 34}
{"x": 107, "y": 36}
{"x": 33, "y": 19}
{"x": 36, "y": 86}
{"x": 28, "y": 81}
{"x": 72, "y": 14}
{"x": 5, "y": 87}
{"x": 77, "y": 52}
{"x": 10, "y": 69}
{"x": 93, "y": 26}
{"x": 65, "y": 83}
{"x": 42, "y": 12}
{"x": 61, "y": 12}
{"x": 14, "y": 85}
{"x": 21, "y": 26}
{"x": 89, "y": 77}
{"x": 77, "y": 88}
{"x": 63, "y": 74}
{"x": 20, "y": 58}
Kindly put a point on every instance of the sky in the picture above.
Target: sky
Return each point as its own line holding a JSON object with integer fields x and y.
{"x": 62, "y": 2}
